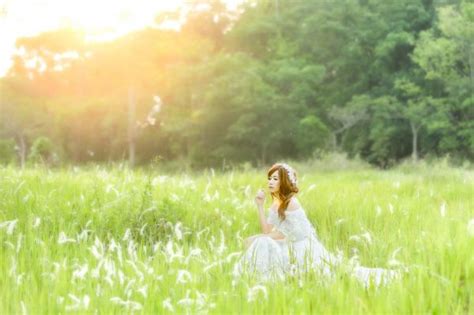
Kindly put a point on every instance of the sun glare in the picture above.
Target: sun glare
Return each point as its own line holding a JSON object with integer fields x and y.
{"x": 108, "y": 19}
{"x": 100, "y": 20}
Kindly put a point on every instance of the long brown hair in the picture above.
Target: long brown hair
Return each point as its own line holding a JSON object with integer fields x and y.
{"x": 287, "y": 188}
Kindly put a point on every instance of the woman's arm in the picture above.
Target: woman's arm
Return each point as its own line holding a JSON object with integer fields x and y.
{"x": 259, "y": 200}
{"x": 276, "y": 235}
{"x": 266, "y": 228}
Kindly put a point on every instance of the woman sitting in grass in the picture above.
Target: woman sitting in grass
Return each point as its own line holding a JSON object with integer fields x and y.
{"x": 289, "y": 243}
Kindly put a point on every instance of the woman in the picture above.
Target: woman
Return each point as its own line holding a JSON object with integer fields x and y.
{"x": 289, "y": 243}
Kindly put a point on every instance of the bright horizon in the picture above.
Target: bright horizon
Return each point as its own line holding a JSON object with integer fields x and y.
{"x": 101, "y": 20}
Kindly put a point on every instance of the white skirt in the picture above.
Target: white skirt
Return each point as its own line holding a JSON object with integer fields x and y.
{"x": 269, "y": 259}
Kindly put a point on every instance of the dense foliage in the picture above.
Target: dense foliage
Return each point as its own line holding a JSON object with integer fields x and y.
{"x": 383, "y": 80}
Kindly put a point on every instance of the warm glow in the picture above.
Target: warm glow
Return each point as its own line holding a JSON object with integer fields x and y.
{"x": 107, "y": 19}
{"x": 99, "y": 19}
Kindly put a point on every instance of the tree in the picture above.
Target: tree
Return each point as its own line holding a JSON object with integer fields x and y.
{"x": 19, "y": 119}
{"x": 348, "y": 116}
{"x": 446, "y": 56}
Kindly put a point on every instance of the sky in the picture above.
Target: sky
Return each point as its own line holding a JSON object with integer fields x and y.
{"x": 101, "y": 19}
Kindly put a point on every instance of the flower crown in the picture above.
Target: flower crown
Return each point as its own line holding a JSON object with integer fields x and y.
{"x": 291, "y": 173}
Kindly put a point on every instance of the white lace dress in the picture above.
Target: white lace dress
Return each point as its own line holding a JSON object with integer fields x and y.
{"x": 300, "y": 250}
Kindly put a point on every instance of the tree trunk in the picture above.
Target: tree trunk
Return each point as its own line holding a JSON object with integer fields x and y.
{"x": 471, "y": 65}
{"x": 131, "y": 127}
{"x": 263, "y": 155}
{"x": 21, "y": 149}
{"x": 334, "y": 141}
{"x": 414, "y": 130}
{"x": 187, "y": 147}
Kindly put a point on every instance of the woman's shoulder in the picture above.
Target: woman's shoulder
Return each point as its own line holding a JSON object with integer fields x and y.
{"x": 293, "y": 205}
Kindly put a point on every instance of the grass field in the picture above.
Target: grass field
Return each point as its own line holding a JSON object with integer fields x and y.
{"x": 111, "y": 240}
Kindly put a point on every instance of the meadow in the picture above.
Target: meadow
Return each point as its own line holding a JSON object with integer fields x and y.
{"x": 114, "y": 240}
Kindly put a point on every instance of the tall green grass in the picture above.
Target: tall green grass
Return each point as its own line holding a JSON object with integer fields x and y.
{"x": 114, "y": 240}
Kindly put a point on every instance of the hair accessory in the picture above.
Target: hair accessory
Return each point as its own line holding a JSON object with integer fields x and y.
{"x": 291, "y": 173}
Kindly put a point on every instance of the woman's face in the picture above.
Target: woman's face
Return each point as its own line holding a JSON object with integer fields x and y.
{"x": 274, "y": 182}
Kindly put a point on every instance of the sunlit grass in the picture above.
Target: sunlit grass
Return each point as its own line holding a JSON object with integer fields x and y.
{"x": 116, "y": 240}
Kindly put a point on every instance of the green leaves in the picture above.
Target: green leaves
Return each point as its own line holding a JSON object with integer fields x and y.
{"x": 313, "y": 135}
{"x": 381, "y": 79}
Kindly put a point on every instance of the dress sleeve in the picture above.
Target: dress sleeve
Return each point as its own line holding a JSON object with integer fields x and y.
{"x": 273, "y": 218}
{"x": 295, "y": 227}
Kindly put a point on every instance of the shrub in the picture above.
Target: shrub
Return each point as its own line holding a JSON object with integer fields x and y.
{"x": 7, "y": 151}
{"x": 43, "y": 152}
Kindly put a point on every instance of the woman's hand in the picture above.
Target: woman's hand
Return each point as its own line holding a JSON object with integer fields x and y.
{"x": 260, "y": 198}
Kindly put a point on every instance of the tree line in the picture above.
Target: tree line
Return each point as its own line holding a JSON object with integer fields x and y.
{"x": 381, "y": 80}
